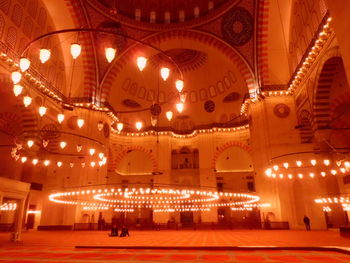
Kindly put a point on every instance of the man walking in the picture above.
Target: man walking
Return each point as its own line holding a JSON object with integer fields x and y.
{"x": 307, "y": 223}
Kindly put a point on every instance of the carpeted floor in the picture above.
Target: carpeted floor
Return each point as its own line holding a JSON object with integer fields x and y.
{"x": 59, "y": 246}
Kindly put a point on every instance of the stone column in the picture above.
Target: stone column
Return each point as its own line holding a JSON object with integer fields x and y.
{"x": 18, "y": 221}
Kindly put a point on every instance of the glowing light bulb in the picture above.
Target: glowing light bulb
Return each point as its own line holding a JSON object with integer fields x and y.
{"x": 120, "y": 126}
{"x": 179, "y": 84}
{"x": 164, "y": 73}
{"x": 141, "y": 63}
{"x": 27, "y": 101}
{"x": 281, "y": 176}
{"x": 100, "y": 163}
{"x": 60, "y": 117}
{"x": 23, "y": 159}
{"x": 299, "y": 163}
{"x": 268, "y": 172}
{"x": 290, "y": 176}
{"x": 313, "y": 162}
{"x": 275, "y": 167}
{"x": 326, "y": 162}
{"x": 35, "y": 161}
{"x": 44, "y": 55}
{"x": 100, "y": 125}
{"x": 59, "y": 164}
{"x": 334, "y": 172}
{"x": 110, "y": 54}
{"x": 80, "y": 123}
{"x": 104, "y": 160}
{"x": 169, "y": 115}
{"x": 30, "y": 143}
{"x": 138, "y": 125}
{"x": 24, "y": 64}
{"x": 300, "y": 176}
{"x": 92, "y": 164}
{"x": 180, "y": 107}
{"x": 16, "y": 77}
{"x": 323, "y": 174}
{"x": 42, "y": 110}
{"x": 17, "y": 89}
{"x": 312, "y": 175}
{"x": 63, "y": 145}
{"x": 347, "y": 164}
{"x": 286, "y": 165}
{"x": 71, "y": 165}
{"x": 79, "y": 148}
{"x": 100, "y": 155}
{"x": 92, "y": 151}
{"x": 343, "y": 170}
{"x": 75, "y": 50}
{"x": 46, "y": 162}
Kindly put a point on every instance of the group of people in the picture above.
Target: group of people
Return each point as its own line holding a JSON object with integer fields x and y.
{"x": 114, "y": 231}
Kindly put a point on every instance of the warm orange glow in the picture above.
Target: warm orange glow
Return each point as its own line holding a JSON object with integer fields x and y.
{"x": 63, "y": 144}
{"x": 180, "y": 107}
{"x": 164, "y": 73}
{"x": 75, "y": 50}
{"x": 44, "y": 55}
{"x": 169, "y": 115}
{"x": 326, "y": 162}
{"x": 59, "y": 164}
{"x": 299, "y": 163}
{"x": 45, "y": 143}
{"x": 286, "y": 165}
{"x": 30, "y": 143}
{"x": 23, "y": 159}
{"x": 92, "y": 164}
{"x": 120, "y": 126}
{"x": 42, "y": 110}
{"x": 313, "y": 162}
{"x": 27, "y": 101}
{"x": 46, "y": 162}
{"x": 275, "y": 167}
{"x": 110, "y": 54}
{"x": 79, "y": 148}
{"x": 16, "y": 77}
{"x": 92, "y": 151}
{"x": 35, "y": 161}
{"x": 141, "y": 63}
{"x": 24, "y": 64}
{"x": 138, "y": 125}
{"x": 60, "y": 117}
{"x": 80, "y": 123}
{"x": 179, "y": 85}
{"x": 100, "y": 155}
{"x": 17, "y": 90}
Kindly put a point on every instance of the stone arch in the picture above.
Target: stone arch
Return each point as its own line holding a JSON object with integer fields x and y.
{"x": 126, "y": 150}
{"x": 225, "y": 146}
{"x": 201, "y": 37}
{"x": 327, "y": 70}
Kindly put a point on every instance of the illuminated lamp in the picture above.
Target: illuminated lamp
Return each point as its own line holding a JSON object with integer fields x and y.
{"x": 27, "y": 101}
{"x": 286, "y": 165}
{"x": 120, "y": 126}
{"x": 300, "y": 176}
{"x": 44, "y": 55}
{"x": 35, "y": 161}
{"x": 312, "y": 175}
{"x": 180, "y": 107}
{"x": 141, "y": 63}
{"x": 100, "y": 155}
{"x": 179, "y": 84}
{"x": 334, "y": 172}
{"x": 138, "y": 125}
{"x": 268, "y": 172}
{"x": 24, "y": 64}
{"x": 326, "y": 162}
{"x": 59, "y": 164}
{"x": 42, "y": 110}
{"x": 110, "y": 54}
{"x": 169, "y": 115}
{"x": 71, "y": 165}
{"x": 60, "y": 117}
{"x": 104, "y": 160}
{"x": 290, "y": 176}
{"x": 17, "y": 89}
{"x": 16, "y": 77}
{"x": 347, "y": 164}
{"x": 313, "y": 162}
{"x": 343, "y": 170}
{"x": 75, "y": 50}
{"x": 46, "y": 162}
{"x": 92, "y": 151}
{"x": 80, "y": 123}
{"x": 164, "y": 73}
{"x": 23, "y": 159}
{"x": 275, "y": 167}
{"x": 30, "y": 143}
{"x": 323, "y": 174}
{"x": 92, "y": 164}
{"x": 63, "y": 145}
{"x": 281, "y": 176}
{"x": 299, "y": 163}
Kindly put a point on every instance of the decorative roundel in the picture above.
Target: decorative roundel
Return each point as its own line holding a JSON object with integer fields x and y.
{"x": 281, "y": 110}
{"x": 155, "y": 109}
{"x": 106, "y": 130}
{"x": 209, "y": 106}
{"x": 237, "y": 26}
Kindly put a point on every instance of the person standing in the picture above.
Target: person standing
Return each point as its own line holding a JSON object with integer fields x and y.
{"x": 307, "y": 223}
